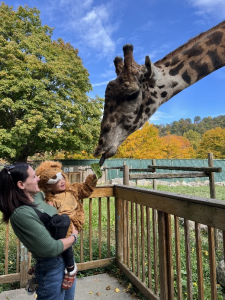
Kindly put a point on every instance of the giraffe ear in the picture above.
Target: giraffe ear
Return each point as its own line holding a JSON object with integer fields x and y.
{"x": 151, "y": 71}
{"x": 118, "y": 62}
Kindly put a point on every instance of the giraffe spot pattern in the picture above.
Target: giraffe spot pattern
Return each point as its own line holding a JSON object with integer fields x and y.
{"x": 163, "y": 94}
{"x": 186, "y": 77}
{"x": 147, "y": 110}
{"x": 161, "y": 86}
{"x": 127, "y": 127}
{"x": 139, "y": 115}
{"x": 112, "y": 119}
{"x": 174, "y": 84}
{"x": 194, "y": 51}
{"x": 216, "y": 61}
{"x": 214, "y": 38}
{"x": 150, "y": 101}
{"x": 175, "y": 71}
{"x": 154, "y": 95}
{"x": 174, "y": 61}
{"x": 143, "y": 94}
{"x": 167, "y": 64}
{"x": 201, "y": 69}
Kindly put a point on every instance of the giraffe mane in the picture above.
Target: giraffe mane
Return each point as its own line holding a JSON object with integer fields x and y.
{"x": 189, "y": 43}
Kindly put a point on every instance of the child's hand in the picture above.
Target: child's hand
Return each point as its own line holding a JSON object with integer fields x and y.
{"x": 50, "y": 203}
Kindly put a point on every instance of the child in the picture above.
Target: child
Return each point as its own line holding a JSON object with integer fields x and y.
{"x": 66, "y": 198}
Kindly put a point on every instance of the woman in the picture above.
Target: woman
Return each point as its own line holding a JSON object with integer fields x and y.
{"x": 18, "y": 185}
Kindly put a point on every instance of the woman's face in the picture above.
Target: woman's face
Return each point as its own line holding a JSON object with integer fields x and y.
{"x": 30, "y": 185}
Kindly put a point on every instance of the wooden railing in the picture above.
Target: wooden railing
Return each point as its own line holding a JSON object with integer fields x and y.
{"x": 163, "y": 258}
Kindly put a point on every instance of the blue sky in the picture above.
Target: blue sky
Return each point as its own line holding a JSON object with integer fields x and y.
{"x": 99, "y": 30}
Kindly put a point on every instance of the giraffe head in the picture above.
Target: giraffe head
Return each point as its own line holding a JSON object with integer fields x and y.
{"x": 127, "y": 105}
{"x": 139, "y": 90}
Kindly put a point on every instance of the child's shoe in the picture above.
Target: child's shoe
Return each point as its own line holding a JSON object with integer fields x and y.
{"x": 31, "y": 286}
{"x": 69, "y": 278}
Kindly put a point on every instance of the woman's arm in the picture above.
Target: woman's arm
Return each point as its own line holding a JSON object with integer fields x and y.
{"x": 68, "y": 242}
{"x": 33, "y": 234}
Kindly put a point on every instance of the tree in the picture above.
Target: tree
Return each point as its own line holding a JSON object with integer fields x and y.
{"x": 213, "y": 141}
{"x": 197, "y": 119}
{"x": 142, "y": 144}
{"x": 176, "y": 147}
{"x": 193, "y": 137}
{"x": 43, "y": 86}
{"x": 145, "y": 143}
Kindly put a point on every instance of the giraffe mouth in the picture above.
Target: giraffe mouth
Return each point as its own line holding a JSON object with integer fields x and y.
{"x": 105, "y": 153}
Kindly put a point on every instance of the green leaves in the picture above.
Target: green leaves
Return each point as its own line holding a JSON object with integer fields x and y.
{"x": 43, "y": 87}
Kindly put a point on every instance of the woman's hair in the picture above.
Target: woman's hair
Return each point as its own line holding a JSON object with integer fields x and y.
{"x": 11, "y": 196}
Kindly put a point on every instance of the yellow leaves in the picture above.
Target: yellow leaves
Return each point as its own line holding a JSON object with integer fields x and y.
{"x": 108, "y": 287}
{"x": 117, "y": 290}
{"x": 212, "y": 141}
{"x": 145, "y": 143}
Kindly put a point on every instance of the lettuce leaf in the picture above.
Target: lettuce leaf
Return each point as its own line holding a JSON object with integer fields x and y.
{"x": 97, "y": 170}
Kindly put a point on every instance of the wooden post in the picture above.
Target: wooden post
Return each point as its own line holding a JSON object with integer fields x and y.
{"x": 24, "y": 266}
{"x": 106, "y": 174}
{"x": 163, "y": 256}
{"x": 154, "y": 180}
{"x": 119, "y": 229}
{"x": 125, "y": 174}
{"x": 213, "y": 193}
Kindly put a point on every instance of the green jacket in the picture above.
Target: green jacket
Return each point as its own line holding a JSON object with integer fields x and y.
{"x": 31, "y": 231}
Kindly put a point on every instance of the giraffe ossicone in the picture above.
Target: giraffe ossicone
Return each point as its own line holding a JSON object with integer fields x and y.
{"x": 139, "y": 90}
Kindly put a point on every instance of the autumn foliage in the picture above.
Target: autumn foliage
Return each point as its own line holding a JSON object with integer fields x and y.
{"x": 145, "y": 143}
{"x": 212, "y": 141}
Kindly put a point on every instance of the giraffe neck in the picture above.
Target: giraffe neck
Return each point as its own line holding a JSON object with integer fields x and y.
{"x": 193, "y": 61}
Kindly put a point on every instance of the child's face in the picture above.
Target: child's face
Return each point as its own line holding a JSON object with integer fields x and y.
{"x": 58, "y": 187}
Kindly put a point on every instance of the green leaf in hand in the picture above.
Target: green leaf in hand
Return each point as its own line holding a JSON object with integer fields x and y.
{"x": 97, "y": 170}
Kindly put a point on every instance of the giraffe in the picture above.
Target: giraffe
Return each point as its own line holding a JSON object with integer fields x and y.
{"x": 138, "y": 91}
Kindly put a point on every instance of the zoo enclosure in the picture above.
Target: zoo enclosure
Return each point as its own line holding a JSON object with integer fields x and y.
{"x": 113, "y": 167}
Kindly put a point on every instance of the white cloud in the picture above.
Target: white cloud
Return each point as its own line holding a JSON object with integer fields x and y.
{"x": 100, "y": 83}
{"x": 92, "y": 26}
{"x": 209, "y": 7}
{"x": 159, "y": 115}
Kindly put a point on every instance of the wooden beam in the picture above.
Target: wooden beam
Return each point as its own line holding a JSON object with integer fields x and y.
{"x": 204, "y": 169}
{"x": 137, "y": 282}
{"x": 95, "y": 264}
{"x": 9, "y": 278}
{"x": 168, "y": 175}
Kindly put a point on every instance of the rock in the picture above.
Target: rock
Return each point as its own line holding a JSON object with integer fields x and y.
{"x": 220, "y": 273}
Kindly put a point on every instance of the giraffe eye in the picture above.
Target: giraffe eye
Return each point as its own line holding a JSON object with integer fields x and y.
{"x": 132, "y": 96}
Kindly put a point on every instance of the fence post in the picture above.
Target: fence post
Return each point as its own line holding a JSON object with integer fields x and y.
{"x": 119, "y": 229}
{"x": 163, "y": 256}
{"x": 154, "y": 180}
{"x": 24, "y": 266}
{"x": 125, "y": 174}
{"x": 212, "y": 192}
{"x": 106, "y": 174}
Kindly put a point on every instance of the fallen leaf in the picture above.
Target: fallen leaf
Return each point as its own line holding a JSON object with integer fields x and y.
{"x": 108, "y": 287}
{"x": 96, "y": 279}
{"x": 117, "y": 290}
{"x": 90, "y": 292}
{"x": 98, "y": 294}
